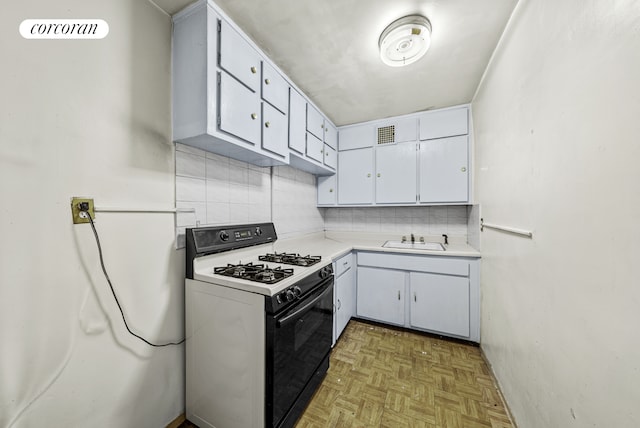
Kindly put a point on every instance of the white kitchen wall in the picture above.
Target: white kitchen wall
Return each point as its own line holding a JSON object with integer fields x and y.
{"x": 88, "y": 118}
{"x": 226, "y": 191}
{"x": 294, "y": 202}
{"x": 556, "y": 133}
{"x": 438, "y": 220}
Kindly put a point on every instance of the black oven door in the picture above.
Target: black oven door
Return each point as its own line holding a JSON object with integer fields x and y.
{"x": 298, "y": 340}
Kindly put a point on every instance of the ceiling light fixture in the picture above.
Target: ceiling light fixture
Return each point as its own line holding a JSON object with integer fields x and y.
{"x": 405, "y": 40}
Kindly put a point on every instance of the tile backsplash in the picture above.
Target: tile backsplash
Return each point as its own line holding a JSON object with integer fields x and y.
{"x": 451, "y": 220}
{"x": 226, "y": 191}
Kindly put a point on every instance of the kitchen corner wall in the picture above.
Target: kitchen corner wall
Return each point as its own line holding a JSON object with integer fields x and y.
{"x": 226, "y": 191}
{"x": 438, "y": 220}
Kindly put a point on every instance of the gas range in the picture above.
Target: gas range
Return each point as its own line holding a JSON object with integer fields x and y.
{"x": 259, "y": 327}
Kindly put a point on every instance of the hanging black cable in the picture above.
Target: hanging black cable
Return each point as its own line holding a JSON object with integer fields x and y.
{"x": 106, "y": 275}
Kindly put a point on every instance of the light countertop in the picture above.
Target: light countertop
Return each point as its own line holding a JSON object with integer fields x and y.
{"x": 332, "y": 245}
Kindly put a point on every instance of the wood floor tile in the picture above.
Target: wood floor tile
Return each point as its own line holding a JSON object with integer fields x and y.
{"x": 386, "y": 377}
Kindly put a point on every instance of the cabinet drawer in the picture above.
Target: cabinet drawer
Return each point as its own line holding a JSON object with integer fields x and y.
{"x": 330, "y": 157}
{"x": 447, "y": 123}
{"x": 297, "y": 122}
{"x": 315, "y": 147}
{"x": 417, "y": 263}
{"x": 343, "y": 264}
{"x": 238, "y": 57}
{"x": 275, "y": 89}
{"x": 315, "y": 122}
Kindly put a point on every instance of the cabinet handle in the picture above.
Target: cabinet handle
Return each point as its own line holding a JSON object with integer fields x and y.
{"x": 368, "y": 175}
{"x": 267, "y": 124}
{"x": 415, "y": 298}
{"x": 378, "y": 175}
{"x": 326, "y": 153}
{"x": 254, "y": 70}
{"x": 339, "y": 304}
{"x": 345, "y": 263}
{"x": 267, "y": 81}
{"x": 330, "y": 190}
{"x": 254, "y": 116}
{"x": 463, "y": 169}
{"x": 398, "y": 294}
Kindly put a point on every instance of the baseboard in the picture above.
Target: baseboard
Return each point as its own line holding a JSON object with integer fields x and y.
{"x": 497, "y": 385}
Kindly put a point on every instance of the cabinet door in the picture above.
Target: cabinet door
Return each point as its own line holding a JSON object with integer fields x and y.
{"x": 444, "y": 170}
{"x": 444, "y": 123}
{"x": 297, "y": 122}
{"x": 330, "y": 157}
{"x": 330, "y": 135}
{"x": 396, "y": 174}
{"x": 274, "y": 130}
{"x": 356, "y": 137}
{"x": 315, "y": 148}
{"x": 440, "y": 303}
{"x": 275, "y": 89}
{"x": 327, "y": 190}
{"x": 239, "y": 112}
{"x": 238, "y": 57}
{"x": 315, "y": 122}
{"x": 381, "y": 295}
{"x": 355, "y": 176}
{"x": 344, "y": 300}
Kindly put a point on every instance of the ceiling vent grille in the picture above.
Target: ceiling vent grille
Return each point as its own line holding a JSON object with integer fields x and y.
{"x": 387, "y": 134}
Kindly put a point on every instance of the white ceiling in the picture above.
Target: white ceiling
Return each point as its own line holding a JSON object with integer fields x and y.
{"x": 329, "y": 48}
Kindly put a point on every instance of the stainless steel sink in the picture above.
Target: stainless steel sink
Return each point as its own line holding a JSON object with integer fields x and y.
{"x": 430, "y": 246}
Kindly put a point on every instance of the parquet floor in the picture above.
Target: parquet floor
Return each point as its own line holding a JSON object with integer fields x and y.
{"x": 383, "y": 377}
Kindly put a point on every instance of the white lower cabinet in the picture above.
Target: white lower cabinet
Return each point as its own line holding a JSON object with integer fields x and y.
{"x": 381, "y": 295}
{"x": 344, "y": 294}
{"x": 440, "y": 303}
{"x": 431, "y": 293}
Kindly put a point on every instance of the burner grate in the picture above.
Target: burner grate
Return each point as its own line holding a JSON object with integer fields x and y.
{"x": 258, "y": 273}
{"x": 290, "y": 259}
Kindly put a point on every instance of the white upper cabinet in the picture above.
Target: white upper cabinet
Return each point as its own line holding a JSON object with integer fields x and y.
{"x": 315, "y": 122}
{"x": 355, "y": 176}
{"x": 275, "y": 90}
{"x": 444, "y": 170}
{"x": 274, "y": 130}
{"x": 226, "y": 93}
{"x": 330, "y": 135}
{"x": 356, "y": 137}
{"x": 444, "y": 123}
{"x": 327, "y": 190}
{"x": 315, "y": 148}
{"x": 238, "y": 58}
{"x": 297, "y": 122}
{"x": 396, "y": 174}
{"x": 239, "y": 110}
{"x": 330, "y": 157}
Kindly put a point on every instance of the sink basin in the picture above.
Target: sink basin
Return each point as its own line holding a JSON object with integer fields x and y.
{"x": 431, "y": 246}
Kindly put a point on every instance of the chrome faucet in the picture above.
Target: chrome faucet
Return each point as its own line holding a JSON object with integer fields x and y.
{"x": 446, "y": 239}
{"x": 413, "y": 239}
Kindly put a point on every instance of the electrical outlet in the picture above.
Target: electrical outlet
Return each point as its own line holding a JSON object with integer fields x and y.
{"x": 76, "y": 209}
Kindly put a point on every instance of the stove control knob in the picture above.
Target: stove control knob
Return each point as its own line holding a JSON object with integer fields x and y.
{"x": 258, "y": 231}
{"x": 289, "y": 295}
{"x": 297, "y": 291}
{"x": 224, "y": 235}
{"x": 279, "y": 299}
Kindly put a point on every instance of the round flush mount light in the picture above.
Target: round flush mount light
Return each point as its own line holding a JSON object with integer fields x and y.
{"x": 405, "y": 40}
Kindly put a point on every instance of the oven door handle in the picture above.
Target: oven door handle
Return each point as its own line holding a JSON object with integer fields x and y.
{"x": 303, "y": 310}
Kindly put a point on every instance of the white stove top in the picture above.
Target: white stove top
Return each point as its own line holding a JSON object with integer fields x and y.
{"x": 204, "y": 266}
